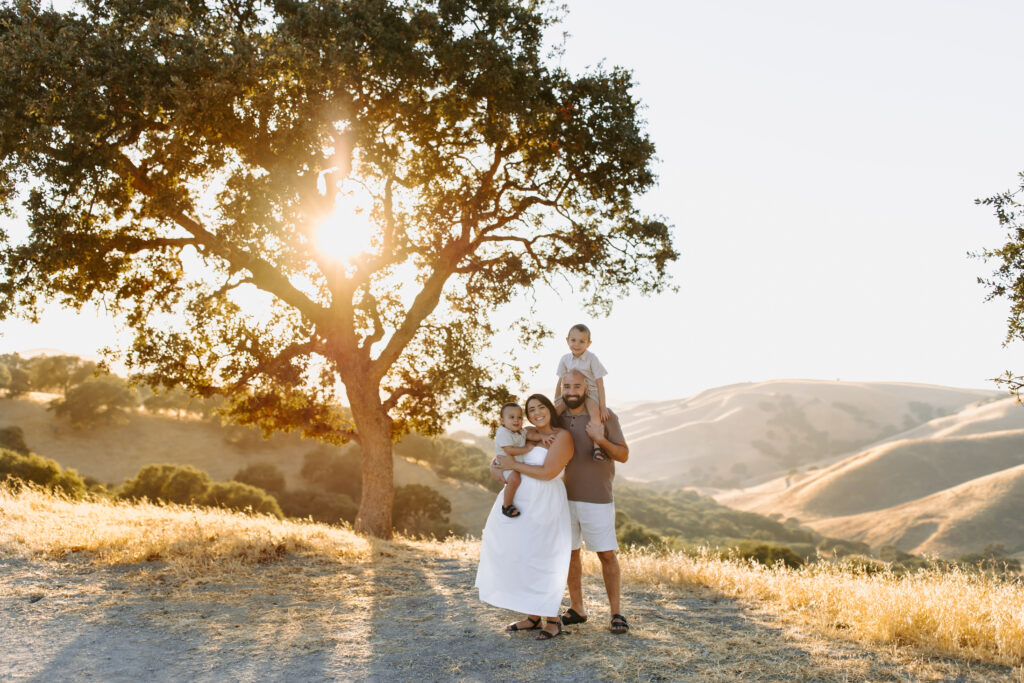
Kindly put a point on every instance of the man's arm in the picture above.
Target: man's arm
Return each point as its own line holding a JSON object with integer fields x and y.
{"x": 619, "y": 452}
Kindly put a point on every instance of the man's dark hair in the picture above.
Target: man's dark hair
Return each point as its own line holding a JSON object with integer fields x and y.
{"x": 556, "y": 419}
{"x": 580, "y": 327}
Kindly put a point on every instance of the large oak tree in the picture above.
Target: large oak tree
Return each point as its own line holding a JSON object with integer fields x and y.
{"x": 180, "y": 162}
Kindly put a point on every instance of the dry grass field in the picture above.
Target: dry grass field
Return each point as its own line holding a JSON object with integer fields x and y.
{"x": 113, "y": 591}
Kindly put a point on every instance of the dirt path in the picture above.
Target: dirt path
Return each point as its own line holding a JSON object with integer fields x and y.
{"x": 408, "y": 616}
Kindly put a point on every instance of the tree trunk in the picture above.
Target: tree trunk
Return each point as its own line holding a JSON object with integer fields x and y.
{"x": 378, "y": 494}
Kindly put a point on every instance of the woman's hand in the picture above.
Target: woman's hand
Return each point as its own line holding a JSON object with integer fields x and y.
{"x": 496, "y": 473}
{"x": 505, "y": 462}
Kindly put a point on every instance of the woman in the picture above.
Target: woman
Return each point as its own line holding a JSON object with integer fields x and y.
{"x": 524, "y": 560}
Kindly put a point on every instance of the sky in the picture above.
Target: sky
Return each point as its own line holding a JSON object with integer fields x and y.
{"x": 819, "y": 163}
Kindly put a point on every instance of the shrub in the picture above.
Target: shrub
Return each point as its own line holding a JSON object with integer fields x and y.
{"x": 419, "y": 509}
{"x": 32, "y": 468}
{"x": 13, "y": 439}
{"x": 838, "y": 547}
{"x": 334, "y": 470}
{"x": 262, "y": 475}
{"x": 770, "y": 555}
{"x": 321, "y": 506}
{"x": 181, "y": 484}
{"x": 234, "y": 495}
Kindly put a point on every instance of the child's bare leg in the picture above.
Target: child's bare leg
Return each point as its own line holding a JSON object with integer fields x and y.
{"x": 511, "y": 486}
{"x": 595, "y": 419}
{"x": 559, "y": 405}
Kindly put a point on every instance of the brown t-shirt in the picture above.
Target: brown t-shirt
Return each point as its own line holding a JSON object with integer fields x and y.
{"x": 588, "y": 480}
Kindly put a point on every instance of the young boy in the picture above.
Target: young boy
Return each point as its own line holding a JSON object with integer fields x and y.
{"x": 511, "y": 439}
{"x": 579, "y": 358}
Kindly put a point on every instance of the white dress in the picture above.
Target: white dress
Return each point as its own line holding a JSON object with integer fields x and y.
{"x": 524, "y": 560}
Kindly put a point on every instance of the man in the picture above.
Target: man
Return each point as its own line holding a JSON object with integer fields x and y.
{"x": 588, "y": 483}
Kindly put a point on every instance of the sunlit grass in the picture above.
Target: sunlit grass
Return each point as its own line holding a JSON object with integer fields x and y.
{"x": 952, "y": 613}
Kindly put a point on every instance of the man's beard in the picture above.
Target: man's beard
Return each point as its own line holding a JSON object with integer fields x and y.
{"x": 574, "y": 401}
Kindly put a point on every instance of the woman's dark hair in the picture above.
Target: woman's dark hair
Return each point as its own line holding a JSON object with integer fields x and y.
{"x": 556, "y": 419}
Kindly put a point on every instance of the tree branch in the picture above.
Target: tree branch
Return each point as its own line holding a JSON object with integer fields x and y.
{"x": 289, "y": 352}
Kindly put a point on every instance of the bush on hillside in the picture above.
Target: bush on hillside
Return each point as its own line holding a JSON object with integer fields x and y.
{"x": 182, "y": 484}
{"x": 262, "y": 475}
{"x": 335, "y": 470}
{"x": 769, "y": 555}
{"x": 97, "y": 401}
{"x": 234, "y": 495}
{"x": 31, "y": 468}
{"x": 321, "y": 506}
{"x": 838, "y": 547}
{"x": 13, "y": 439}
{"x": 421, "y": 510}
{"x": 450, "y": 458}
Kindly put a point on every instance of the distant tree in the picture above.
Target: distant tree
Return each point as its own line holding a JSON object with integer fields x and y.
{"x": 17, "y": 377}
{"x": 29, "y": 467}
{"x": 183, "y": 155}
{"x": 97, "y": 401}
{"x": 419, "y": 509}
{"x": 770, "y": 555}
{"x": 174, "y": 399}
{"x": 262, "y": 475}
{"x": 234, "y": 495}
{"x": 321, "y": 506}
{"x": 58, "y": 373}
{"x": 334, "y": 470}
{"x": 13, "y": 439}
{"x": 5, "y": 376}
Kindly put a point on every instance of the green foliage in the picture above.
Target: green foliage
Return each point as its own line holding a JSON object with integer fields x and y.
{"x": 182, "y": 484}
{"x": 5, "y": 376}
{"x": 630, "y": 533}
{"x": 838, "y": 547}
{"x": 174, "y": 399}
{"x": 58, "y": 373}
{"x": 420, "y": 510}
{"x": 485, "y": 167}
{"x": 16, "y": 376}
{"x": 334, "y": 470}
{"x": 320, "y": 506}
{"x": 97, "y": 401}
{"x": 262, "y": 475}
{"x": 992, "y": 558}
{"x": 450, "y": 458}
{"x": 770, "y": 555}
{"x": 234, "y": 495}
{"x": 29, "y": 467}
{"x": 13, "y": 439}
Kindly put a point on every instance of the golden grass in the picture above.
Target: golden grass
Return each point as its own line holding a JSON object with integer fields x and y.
{"x": 951, "y": 614}
{"x": 36, "y": 522}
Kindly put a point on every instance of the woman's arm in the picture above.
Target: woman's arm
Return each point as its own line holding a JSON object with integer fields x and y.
{"x": 558, "y": 456}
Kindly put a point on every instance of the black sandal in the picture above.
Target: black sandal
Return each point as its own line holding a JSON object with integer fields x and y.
{"x": 548, "y": 635}
{"x": 516, "y": 627}
{"x": 571, "y": 616}
{"x": 619, "y": 624}
{"x": 510, "y": 510}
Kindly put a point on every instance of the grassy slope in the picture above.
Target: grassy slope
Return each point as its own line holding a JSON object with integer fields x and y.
{"x": 114, "y": 453}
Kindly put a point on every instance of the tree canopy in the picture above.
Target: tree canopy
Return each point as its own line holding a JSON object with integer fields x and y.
{"x": 1008, "y": 278}
{"x": 187, "y": 163}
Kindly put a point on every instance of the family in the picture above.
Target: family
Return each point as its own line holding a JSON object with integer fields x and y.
{"x": 558, "y": 497}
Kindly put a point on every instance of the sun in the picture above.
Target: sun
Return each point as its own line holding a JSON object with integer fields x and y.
{"x": 347, "y": 232}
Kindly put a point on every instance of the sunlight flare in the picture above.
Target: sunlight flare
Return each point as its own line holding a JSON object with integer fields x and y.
{"x": 348, "y": 231}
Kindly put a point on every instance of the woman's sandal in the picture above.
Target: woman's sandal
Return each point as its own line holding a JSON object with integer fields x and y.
{"x": 510, "y": 510}
{"x": 548, "y": 635}
{"x": 571, "y": 616}
{"x": 516, "y": 627}
{"x": 619, "y": 624}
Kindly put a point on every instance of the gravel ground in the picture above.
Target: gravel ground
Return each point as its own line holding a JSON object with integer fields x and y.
{"x": 408, "y": 617}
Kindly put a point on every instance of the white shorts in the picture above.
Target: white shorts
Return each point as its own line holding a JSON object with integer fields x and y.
{"x": 593, "y": 524}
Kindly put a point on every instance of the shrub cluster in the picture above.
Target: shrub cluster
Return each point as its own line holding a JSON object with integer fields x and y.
{"x": 17, "y": 468}
{"x": 186, "y": 485}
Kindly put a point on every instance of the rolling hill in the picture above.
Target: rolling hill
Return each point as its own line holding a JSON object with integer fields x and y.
{"x": 947, "y": 487}
{"x": 743, "y": 434}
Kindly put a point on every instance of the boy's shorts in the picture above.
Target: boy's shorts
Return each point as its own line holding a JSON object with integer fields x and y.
{"x": 593, "y": 524}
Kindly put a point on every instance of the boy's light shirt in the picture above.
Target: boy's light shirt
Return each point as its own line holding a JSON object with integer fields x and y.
{"x": 587, "y": 363}
{"x": 506, "y": 437}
